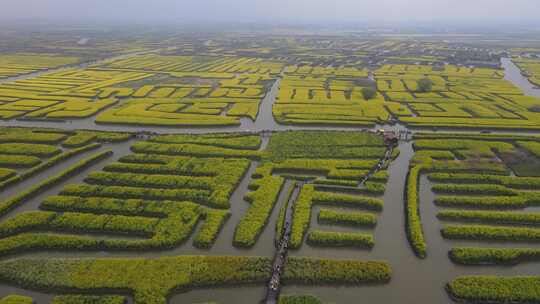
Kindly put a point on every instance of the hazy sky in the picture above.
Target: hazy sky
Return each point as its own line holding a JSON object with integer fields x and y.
{"x": 272, "y": 10}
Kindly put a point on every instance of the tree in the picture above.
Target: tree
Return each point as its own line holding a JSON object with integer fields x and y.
{"x": 424, "y": 85}
{"x": 369, "y": 93}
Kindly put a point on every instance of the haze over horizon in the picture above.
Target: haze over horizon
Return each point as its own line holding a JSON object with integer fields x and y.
{"x": 482, "y": 12}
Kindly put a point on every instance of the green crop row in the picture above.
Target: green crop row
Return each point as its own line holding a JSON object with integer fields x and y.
{"x": 82, "y": 138}
{"x": 347, "y": 272}
{"x": 493, "y": 217}
{"x": 297, "y": 299}
{"x": 99, "y": 205}
{"x": 493, "y": 289}
{"x": 336, "y": 182}
{"x": 16, "y": 299}
{"x": 349, "y": 218}
{"x": 85, "y": 299}
{"x": 347, "y": 200}
{"x": 193, "y": 150}
{"x": 32, "y": 135}
{"x": 490, "y": 233}
{"x": 374, "y": 188}
{"x": 381, "y": 176}
{"x": 21, "y": 197}
{"x": 483, "y": 202}
{"x": 150, "y": 181}
{"x": 83, "y": 190}
{"x": 223, "y": 140}
{"x": 213, "y": 222}
{"x": 301, "y": 216}
{"x": 491, "y": 256}
{"x": 151, "y": 281}
{"x": 473, "y": 189}
{"x": 7, "y": 174}
{"x": 18, "y": 161}
{"x": 509, "y": 181}
{"x": 415, "y": 233}
{"x": 38, "y": 150}
{"x": 263, "y": 197}
{"x": 340, "y": 239}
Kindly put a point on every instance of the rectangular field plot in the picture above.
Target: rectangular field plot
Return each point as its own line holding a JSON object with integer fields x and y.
{"x": 457, "y": 97}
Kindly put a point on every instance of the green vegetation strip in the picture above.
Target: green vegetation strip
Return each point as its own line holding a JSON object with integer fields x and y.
{"x": 509, "y": 181}
{"x": 34, "y": 190}
{"x": 492, "y": 289}
{"x": 490, "y": 233}
{"x": 297, "y": 299}
{"x": 151, "y": 281}
{"x": 84, "y": 299}
{"x": 491, "y": 217}
{"x": 340, "y": 239}
{"x": 348, "y": 218}
{"x": 484, "y": 202}
{"x": 492, "y": 256}
{"x": 415, "y": 233}
{"x": 16, "y": 299}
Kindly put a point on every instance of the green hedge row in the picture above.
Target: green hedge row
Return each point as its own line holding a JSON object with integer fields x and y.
{"x": 491, "y": 233}
{"x": 479, "y": 189}
{"x": 84, "y": 190}
{"x": 151, "y": 281}
{"x": 483, "y": 202}
{"x": 509, "y": 181}
{"x": 348, "y": 218}
{"x": 85, "y": 299}
{"x": 413, "y": 223}
{"x": 492, "y": 256}
{"x": 149, "y": 181}
{"x": 223, "y": 140}
{"x": 38, "y": 150}
{"x": 297, "y": 299}
{"x": 193, "y": 150}
{"x": 340, "y": 239}
{"x": 263, "y": 197}
{"x": 347, "y": 200}
{"x": 18, "y": 161}
{"x": 301, "y": 216}
{"x": 493, "y": 289}
{"x": 213, "y": 222}
{"x": 32, "y": 135}
{"x": 491, "y": 217}
{"x": 16, "y": 299}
